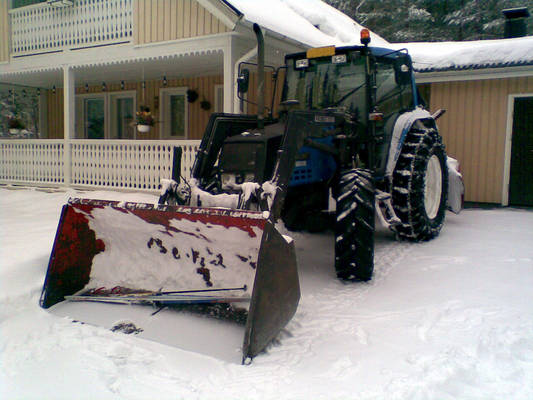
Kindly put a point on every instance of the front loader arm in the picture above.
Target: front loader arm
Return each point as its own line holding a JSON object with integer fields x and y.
{"x": 219, "y": 127}
{"x": 301, "y": 126}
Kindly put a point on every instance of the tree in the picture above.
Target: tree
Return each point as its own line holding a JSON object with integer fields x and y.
{"x": 431, "y": 20}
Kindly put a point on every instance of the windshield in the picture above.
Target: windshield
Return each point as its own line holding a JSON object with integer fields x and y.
{"x": 323, "y": 84}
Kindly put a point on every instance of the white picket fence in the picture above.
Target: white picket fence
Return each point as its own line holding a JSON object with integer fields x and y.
{"x": 41, "y": 28}
{"x": 111, "y": 164}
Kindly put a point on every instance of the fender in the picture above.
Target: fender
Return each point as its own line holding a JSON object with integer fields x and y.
{"x": 401, "y": 127}
{"x": 456, "y": 186}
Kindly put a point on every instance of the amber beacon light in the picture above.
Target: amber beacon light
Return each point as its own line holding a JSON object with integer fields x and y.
{"x": 365, "y": 36}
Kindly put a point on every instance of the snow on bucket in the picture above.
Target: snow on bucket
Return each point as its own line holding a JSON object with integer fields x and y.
{"x": 141, "y": 253}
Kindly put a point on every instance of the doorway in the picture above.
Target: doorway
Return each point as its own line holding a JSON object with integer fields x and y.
{"x": 174, "y": 113}
{"x": 521, "y": 176}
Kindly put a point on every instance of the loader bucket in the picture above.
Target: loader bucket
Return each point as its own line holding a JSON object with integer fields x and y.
{"x": 146, "y": 252}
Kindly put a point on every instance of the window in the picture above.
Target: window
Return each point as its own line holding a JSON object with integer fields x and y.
{"x": 94, "y": 118}
{"x": 27, "y": 105}
{"x": 24, "y": 3}
{"x": 122, "y": 116}
{"x": 173, "y": 118}
{"x": 392, "y": 95}
{"x": 90, "y": 116}
{"x": 105, "y": 116}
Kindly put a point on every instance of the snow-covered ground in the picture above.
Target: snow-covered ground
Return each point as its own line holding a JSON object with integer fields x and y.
{"x": 447, "y": 319}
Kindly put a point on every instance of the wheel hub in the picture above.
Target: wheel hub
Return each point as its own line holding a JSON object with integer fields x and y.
{"x": 432, "y": 187}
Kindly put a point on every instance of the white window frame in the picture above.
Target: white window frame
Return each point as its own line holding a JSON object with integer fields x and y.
{"x": 80, "y": 113}
{"x": 164, "y": 112}
{"x": 109, "y": 109}
{"x": 219, "y": 106}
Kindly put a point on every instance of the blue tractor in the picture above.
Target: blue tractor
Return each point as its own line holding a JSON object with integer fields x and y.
{"x": 352, "y": 128}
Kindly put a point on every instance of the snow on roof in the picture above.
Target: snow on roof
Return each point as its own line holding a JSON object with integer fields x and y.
{"x": 316, "y": 23}
{"x": 446, "y": 56}
{"x": 311, "y": 22}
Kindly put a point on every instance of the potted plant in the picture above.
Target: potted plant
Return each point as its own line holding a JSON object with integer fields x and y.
{"x": 205, "y": 105}
{"x": 192, "y": 95}
{"x": 15, "y": 125}
{"x": 145, "y": 120}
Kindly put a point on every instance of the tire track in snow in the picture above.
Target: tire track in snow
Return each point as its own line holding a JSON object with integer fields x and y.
{"x": 330, "y": 304}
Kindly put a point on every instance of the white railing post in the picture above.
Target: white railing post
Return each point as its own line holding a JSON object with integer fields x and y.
{"x": 69, "y": 118}
{"x": 229, "y": 69}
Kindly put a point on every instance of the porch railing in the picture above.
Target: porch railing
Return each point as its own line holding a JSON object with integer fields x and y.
{"x": 111, "y": 164}
{"x": 41, "y": 28}
{"x": 32, "y": 161}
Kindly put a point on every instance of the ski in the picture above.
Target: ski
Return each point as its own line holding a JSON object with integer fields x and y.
{"x": 167, "y": 299}
{"x": 122, "y": 291}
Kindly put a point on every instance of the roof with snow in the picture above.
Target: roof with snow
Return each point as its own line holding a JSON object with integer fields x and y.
{"x": 315, "y": 23}
{"x": 311, "y": 22}
{"x": 471, "y": 55}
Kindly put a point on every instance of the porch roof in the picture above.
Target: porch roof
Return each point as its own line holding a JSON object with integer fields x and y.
{"x": 292, "y": 25}
{"x": 124, "y": 62}
{"x": 128, "y": 70}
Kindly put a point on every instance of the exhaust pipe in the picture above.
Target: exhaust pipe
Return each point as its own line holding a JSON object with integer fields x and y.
{"x": 260, "y": 77}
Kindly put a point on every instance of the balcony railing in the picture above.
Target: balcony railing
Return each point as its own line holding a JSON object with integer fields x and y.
{"x": 41, "y": 28}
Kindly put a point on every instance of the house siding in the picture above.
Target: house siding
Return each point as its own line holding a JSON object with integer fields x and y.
{"x": 149, "y": 96}
{"x": 164, "y": 20}
{"x": 4, "y": 32}
{"x": 269, "y": 88}
{"x": 474, "y": 130}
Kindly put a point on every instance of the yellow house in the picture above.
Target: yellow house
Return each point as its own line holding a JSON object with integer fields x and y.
{"x": 83, "y": 68}
{"x": 95, "y": 62}
{"x": 487, "y": 89}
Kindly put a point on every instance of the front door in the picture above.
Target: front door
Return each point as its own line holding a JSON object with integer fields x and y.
{"x": 521, "y": 181}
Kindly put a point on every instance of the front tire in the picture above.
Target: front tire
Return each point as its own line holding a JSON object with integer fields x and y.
{"x": 420, "y": 185}
{"x": 354, "y": 225}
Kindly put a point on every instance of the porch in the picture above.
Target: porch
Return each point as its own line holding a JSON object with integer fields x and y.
{"x": 76, "y": 76}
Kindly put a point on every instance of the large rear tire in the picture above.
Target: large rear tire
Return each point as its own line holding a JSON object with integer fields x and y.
{"x": 420, "y": 185}
{"x": 354, "y": 225}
